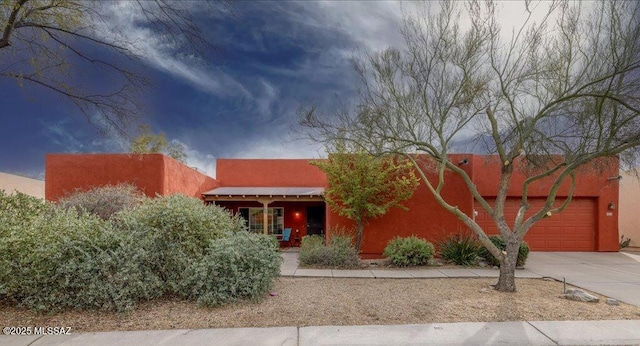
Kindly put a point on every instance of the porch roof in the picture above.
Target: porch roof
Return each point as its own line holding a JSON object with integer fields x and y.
{"x": 240, "y": 193}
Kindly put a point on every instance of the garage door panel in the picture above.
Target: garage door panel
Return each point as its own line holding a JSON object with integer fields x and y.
{"x": 574, "y": 229}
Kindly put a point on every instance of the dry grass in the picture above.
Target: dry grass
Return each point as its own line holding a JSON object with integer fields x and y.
{"x": 331, "y": 301}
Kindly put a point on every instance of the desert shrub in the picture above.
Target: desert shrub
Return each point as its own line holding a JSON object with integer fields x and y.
{"x": 409, "y": 251}
{"x": 18, "y": 209}
{"x": 241, "y": 266}
{"x": 339, "y": 251}
{"x": 497, "y": 240}
{"x": 64, "y": 259}
{"x": 103, "y": 201}
{"x": 174, "y": 230}
{"x": 311, "y": 241}
{"x": 462, "y": 249}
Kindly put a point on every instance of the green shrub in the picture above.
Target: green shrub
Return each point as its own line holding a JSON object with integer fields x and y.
{"x": 175, "y": 230}
{"x": 461, "y": 249}
{"x": 497, "y": 240}
{"x": 66, "y": 258}
{"x": 311, "y": 241}
{"x": 243, "y": 265}
{"x": 19, "y": 210}
{"x": 339, "y": 252}
{"x": 103, "y": 201}
{"x": 409, "y": 251}
{"x": 70, "y": 260}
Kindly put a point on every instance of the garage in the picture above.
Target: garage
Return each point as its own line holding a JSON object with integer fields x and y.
{"x": 574, "y": 229}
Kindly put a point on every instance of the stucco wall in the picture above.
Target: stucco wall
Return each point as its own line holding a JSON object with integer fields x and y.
{"x": 595, "y": 180}
{"x": 11, "y": 183}
{"x": 151, "y": 173}
{"x": 179, "y": 178}
{"x": 268, "y": 172}
{"x": 424, "y": 218}
{"x": 629, "y": 210}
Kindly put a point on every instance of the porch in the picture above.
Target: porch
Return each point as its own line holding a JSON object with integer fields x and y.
{"x": 270, "y": 210}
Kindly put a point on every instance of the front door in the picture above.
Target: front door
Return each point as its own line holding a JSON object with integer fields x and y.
{"x": 315, "y": 220}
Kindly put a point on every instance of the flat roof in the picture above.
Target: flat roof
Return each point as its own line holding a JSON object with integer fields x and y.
{"x": 266, "y": 191}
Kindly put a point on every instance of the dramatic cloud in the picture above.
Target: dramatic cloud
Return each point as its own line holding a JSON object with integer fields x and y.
{"x": 273, "y": 59}
{"x": 125, "y": 23}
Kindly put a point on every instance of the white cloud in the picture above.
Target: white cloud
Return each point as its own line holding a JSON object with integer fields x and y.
{"x": 279, "y": 148}
{"x": 203, "y": 162}
{"x": 267, "y": 98}
{"x": 373, "y": 24}
{"x": 124, "y": 24}
{"x": 58, "y": 134}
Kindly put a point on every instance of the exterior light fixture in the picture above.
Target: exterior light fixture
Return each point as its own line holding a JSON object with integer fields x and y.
{"x": 619, "y": 177}
{"x": 611, "y": 206}
{"x": 463, "y": 162}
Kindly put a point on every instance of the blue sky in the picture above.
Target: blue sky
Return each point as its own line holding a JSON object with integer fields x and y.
{"x": 241, "y": 101}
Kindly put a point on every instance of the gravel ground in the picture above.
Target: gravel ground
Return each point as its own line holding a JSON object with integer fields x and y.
{"x": 331, "y": 301}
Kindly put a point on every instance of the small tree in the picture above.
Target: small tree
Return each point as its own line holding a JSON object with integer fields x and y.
{"x": 363, "y": 187}
{"x": 561, "y": 94}
{"x": 147, "y": 142}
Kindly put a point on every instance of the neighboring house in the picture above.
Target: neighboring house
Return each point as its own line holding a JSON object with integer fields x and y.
{"x": 276, "y": 194}
{"x": 630, "y": 208}
{"x": 11, "y": 183}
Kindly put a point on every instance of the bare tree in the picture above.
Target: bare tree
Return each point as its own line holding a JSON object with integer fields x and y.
{"x": 562, "y": 93}
{"x": 76, "y": 49}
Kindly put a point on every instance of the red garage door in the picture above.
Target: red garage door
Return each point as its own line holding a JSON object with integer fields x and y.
{"x": 574, "y": 229}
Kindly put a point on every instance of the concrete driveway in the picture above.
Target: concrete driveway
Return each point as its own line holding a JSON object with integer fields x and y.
{"x": 613, "y": 274}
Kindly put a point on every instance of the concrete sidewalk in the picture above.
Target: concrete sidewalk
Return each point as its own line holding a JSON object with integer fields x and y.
{"x": 503, "y": 333}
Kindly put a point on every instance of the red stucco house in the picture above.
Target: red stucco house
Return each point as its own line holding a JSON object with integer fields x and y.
{"x": 288, "y": 193}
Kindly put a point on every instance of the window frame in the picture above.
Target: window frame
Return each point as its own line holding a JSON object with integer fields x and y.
{"x": 255, "y": 217}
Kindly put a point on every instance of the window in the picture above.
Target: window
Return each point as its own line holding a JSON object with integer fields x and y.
{"x": 255, "y": 219}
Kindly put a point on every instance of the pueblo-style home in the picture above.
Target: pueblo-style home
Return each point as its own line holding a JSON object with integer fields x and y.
{"x": 275, "y": 194}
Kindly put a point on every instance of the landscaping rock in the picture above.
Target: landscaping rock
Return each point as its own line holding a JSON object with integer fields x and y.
{"x": 484, "y": 290}
{"x": 495, "y": 267}
{"x": 273, "y": 293}
{"x": 611, "y": 301}
{"x": 580, "y": 295}
{"x": 483, "y": 264}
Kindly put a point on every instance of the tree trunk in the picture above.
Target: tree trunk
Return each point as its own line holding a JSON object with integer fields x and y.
{"x": 359, "y": 235}
{"x": 507, "y": 279}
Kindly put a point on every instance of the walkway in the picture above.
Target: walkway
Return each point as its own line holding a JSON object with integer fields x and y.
{"x": 503, "y": 333}
{"x": 290, "y": 268}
